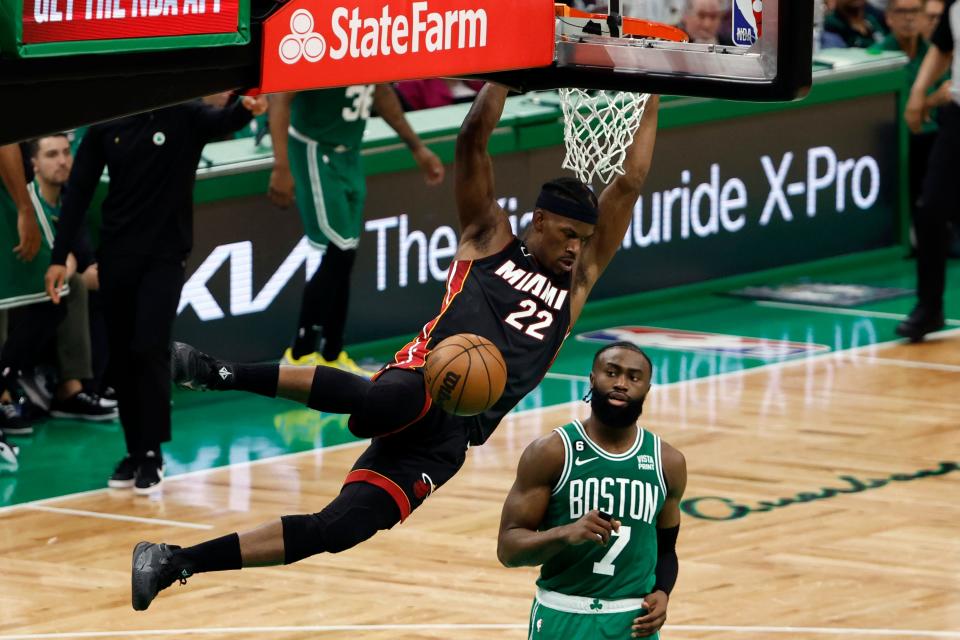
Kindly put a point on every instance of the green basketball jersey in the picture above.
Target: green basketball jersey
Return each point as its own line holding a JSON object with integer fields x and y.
{"x": 22, "y": 283}
{"x": 333, "y": 117}
{"x": 629, "y": 486}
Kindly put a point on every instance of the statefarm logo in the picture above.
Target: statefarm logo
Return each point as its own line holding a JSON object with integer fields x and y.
{"x": 356, "y": 36}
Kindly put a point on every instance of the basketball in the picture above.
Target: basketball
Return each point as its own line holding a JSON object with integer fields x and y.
{"x": 465, "y": 374}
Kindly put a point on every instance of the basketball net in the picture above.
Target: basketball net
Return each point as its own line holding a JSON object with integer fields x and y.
{"x": 598, "y": 128}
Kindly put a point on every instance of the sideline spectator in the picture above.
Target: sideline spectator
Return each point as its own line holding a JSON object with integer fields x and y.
{"x": 702, "y": 20}
{"x": 52, "y": 159}
{"x": 146, "y": 235}
{"x": 932, "y": 10}
{"x": 854, "y": 24}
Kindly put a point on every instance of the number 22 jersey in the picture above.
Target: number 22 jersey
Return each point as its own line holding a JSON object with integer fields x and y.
{"x": 509, "y": 299}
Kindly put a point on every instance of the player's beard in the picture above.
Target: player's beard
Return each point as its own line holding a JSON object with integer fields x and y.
{"x": 613, "y": 416}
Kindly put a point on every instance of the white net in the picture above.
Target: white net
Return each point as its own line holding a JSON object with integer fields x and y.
{"x": 598, "y": 128}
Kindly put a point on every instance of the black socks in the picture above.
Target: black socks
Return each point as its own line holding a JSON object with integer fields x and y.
{"x": 221, "y": 554}
{"x": 255, "y": 378}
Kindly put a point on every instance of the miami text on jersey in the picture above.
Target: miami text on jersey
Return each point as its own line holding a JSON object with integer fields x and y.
{"x": 536, "y": 284}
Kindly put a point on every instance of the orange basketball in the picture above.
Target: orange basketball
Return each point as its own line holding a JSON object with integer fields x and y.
{"x": 465, "y": 374}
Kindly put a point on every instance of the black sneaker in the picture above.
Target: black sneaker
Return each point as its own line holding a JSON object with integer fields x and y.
{"x": 149, "y": 477}
{"x": 193, "y": 369}
{"x": 124, "y": 474}
{"x": 920, "y": 322}
{"x": 83, "y": 406}
{"x": 8, "y": 454}
{"x": 107, "y": 402}
{"x": 12, "y": 421}
{"x": 153, "y": 572}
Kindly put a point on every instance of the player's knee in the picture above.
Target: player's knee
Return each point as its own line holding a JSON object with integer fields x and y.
{"x": 353, "y": 517}
{"x": 388, "y": 406}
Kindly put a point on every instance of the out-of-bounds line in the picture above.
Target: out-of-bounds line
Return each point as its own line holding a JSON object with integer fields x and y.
{"x": 340, "y": 628}
{"x": 839, "y": 311}
{"x": 191, "y": 474}
{"x": 913, "y": 364}
{"x": 770, "y": 366}
{"x": 117, "y": 516}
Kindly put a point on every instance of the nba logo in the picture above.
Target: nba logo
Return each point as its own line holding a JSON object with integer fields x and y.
{"x": 747, "y": 22}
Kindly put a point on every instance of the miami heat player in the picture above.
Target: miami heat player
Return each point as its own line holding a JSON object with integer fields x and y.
{"x": 524, "y": 295}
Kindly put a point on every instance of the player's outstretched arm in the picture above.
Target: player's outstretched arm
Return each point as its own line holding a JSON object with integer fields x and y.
{"x": 388, "y": 106}
{"x": 484, "y": 227}
{"x": 616, "y": 207}
{"x": 520, "y": 543}
{"x": 668, "y": 526}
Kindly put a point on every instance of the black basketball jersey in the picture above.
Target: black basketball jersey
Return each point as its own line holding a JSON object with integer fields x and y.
{"x": 510, "y": 300}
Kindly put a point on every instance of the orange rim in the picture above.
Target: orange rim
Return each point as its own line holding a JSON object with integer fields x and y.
{"x": 631, "y": 26}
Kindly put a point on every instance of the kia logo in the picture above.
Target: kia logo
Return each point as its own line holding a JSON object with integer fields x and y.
{"x": 302, "y": 41}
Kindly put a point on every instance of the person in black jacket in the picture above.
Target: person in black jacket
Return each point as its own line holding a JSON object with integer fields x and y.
{"x": 940, "y": 195}
{"x": 146, "y": 234}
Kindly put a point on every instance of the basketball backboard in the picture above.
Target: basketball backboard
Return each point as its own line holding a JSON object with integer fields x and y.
{"x": 527, "y": 44}
{"x": 767, "y": 55}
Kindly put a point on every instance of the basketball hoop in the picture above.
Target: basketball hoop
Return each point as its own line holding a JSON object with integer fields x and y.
{"x": 599, "y": 125}
{"x": 598, "y": 128}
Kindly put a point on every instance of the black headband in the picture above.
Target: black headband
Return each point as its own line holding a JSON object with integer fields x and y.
{"x": 567, "y": 208}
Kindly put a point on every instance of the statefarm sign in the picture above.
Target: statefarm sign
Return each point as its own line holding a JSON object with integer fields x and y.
{"x": 311, "y": 44}
{"x": 46, "y": 21}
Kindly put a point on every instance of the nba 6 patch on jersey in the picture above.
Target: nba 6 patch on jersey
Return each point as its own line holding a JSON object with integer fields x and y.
{"x": 747, "y": 22}
{"x": 680, "y": 340}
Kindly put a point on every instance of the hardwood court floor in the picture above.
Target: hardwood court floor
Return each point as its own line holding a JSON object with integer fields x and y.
{"x": 856, "y": 564}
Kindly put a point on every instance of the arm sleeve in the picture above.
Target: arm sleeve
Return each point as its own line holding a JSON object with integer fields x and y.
{"x": 217, "y": 123}
{"x": 84, "y": 178}
{"x": 943, "y": 35}
{"x": 668, "y": 565}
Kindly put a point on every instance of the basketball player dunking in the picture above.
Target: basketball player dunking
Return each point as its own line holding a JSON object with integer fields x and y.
{"x": 522, "y": 295}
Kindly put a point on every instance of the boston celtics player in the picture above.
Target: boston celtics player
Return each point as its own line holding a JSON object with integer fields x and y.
{"x": 597, "y": 504}
{"x": 316, "y": 148}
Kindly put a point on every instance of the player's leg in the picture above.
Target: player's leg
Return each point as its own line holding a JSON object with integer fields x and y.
{"x": 308, "y": 175}
{"x": 322, "y": 203}
{"x": 344, "y": 223}
{"x": 337, "y": 266}
{"x": 351, "y": 518}
{"x": 390, "y": 479}
{"x": 389, "y": 403}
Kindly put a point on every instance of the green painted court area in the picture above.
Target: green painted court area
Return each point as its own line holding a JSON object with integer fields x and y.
{"x": 213, "y": 430}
